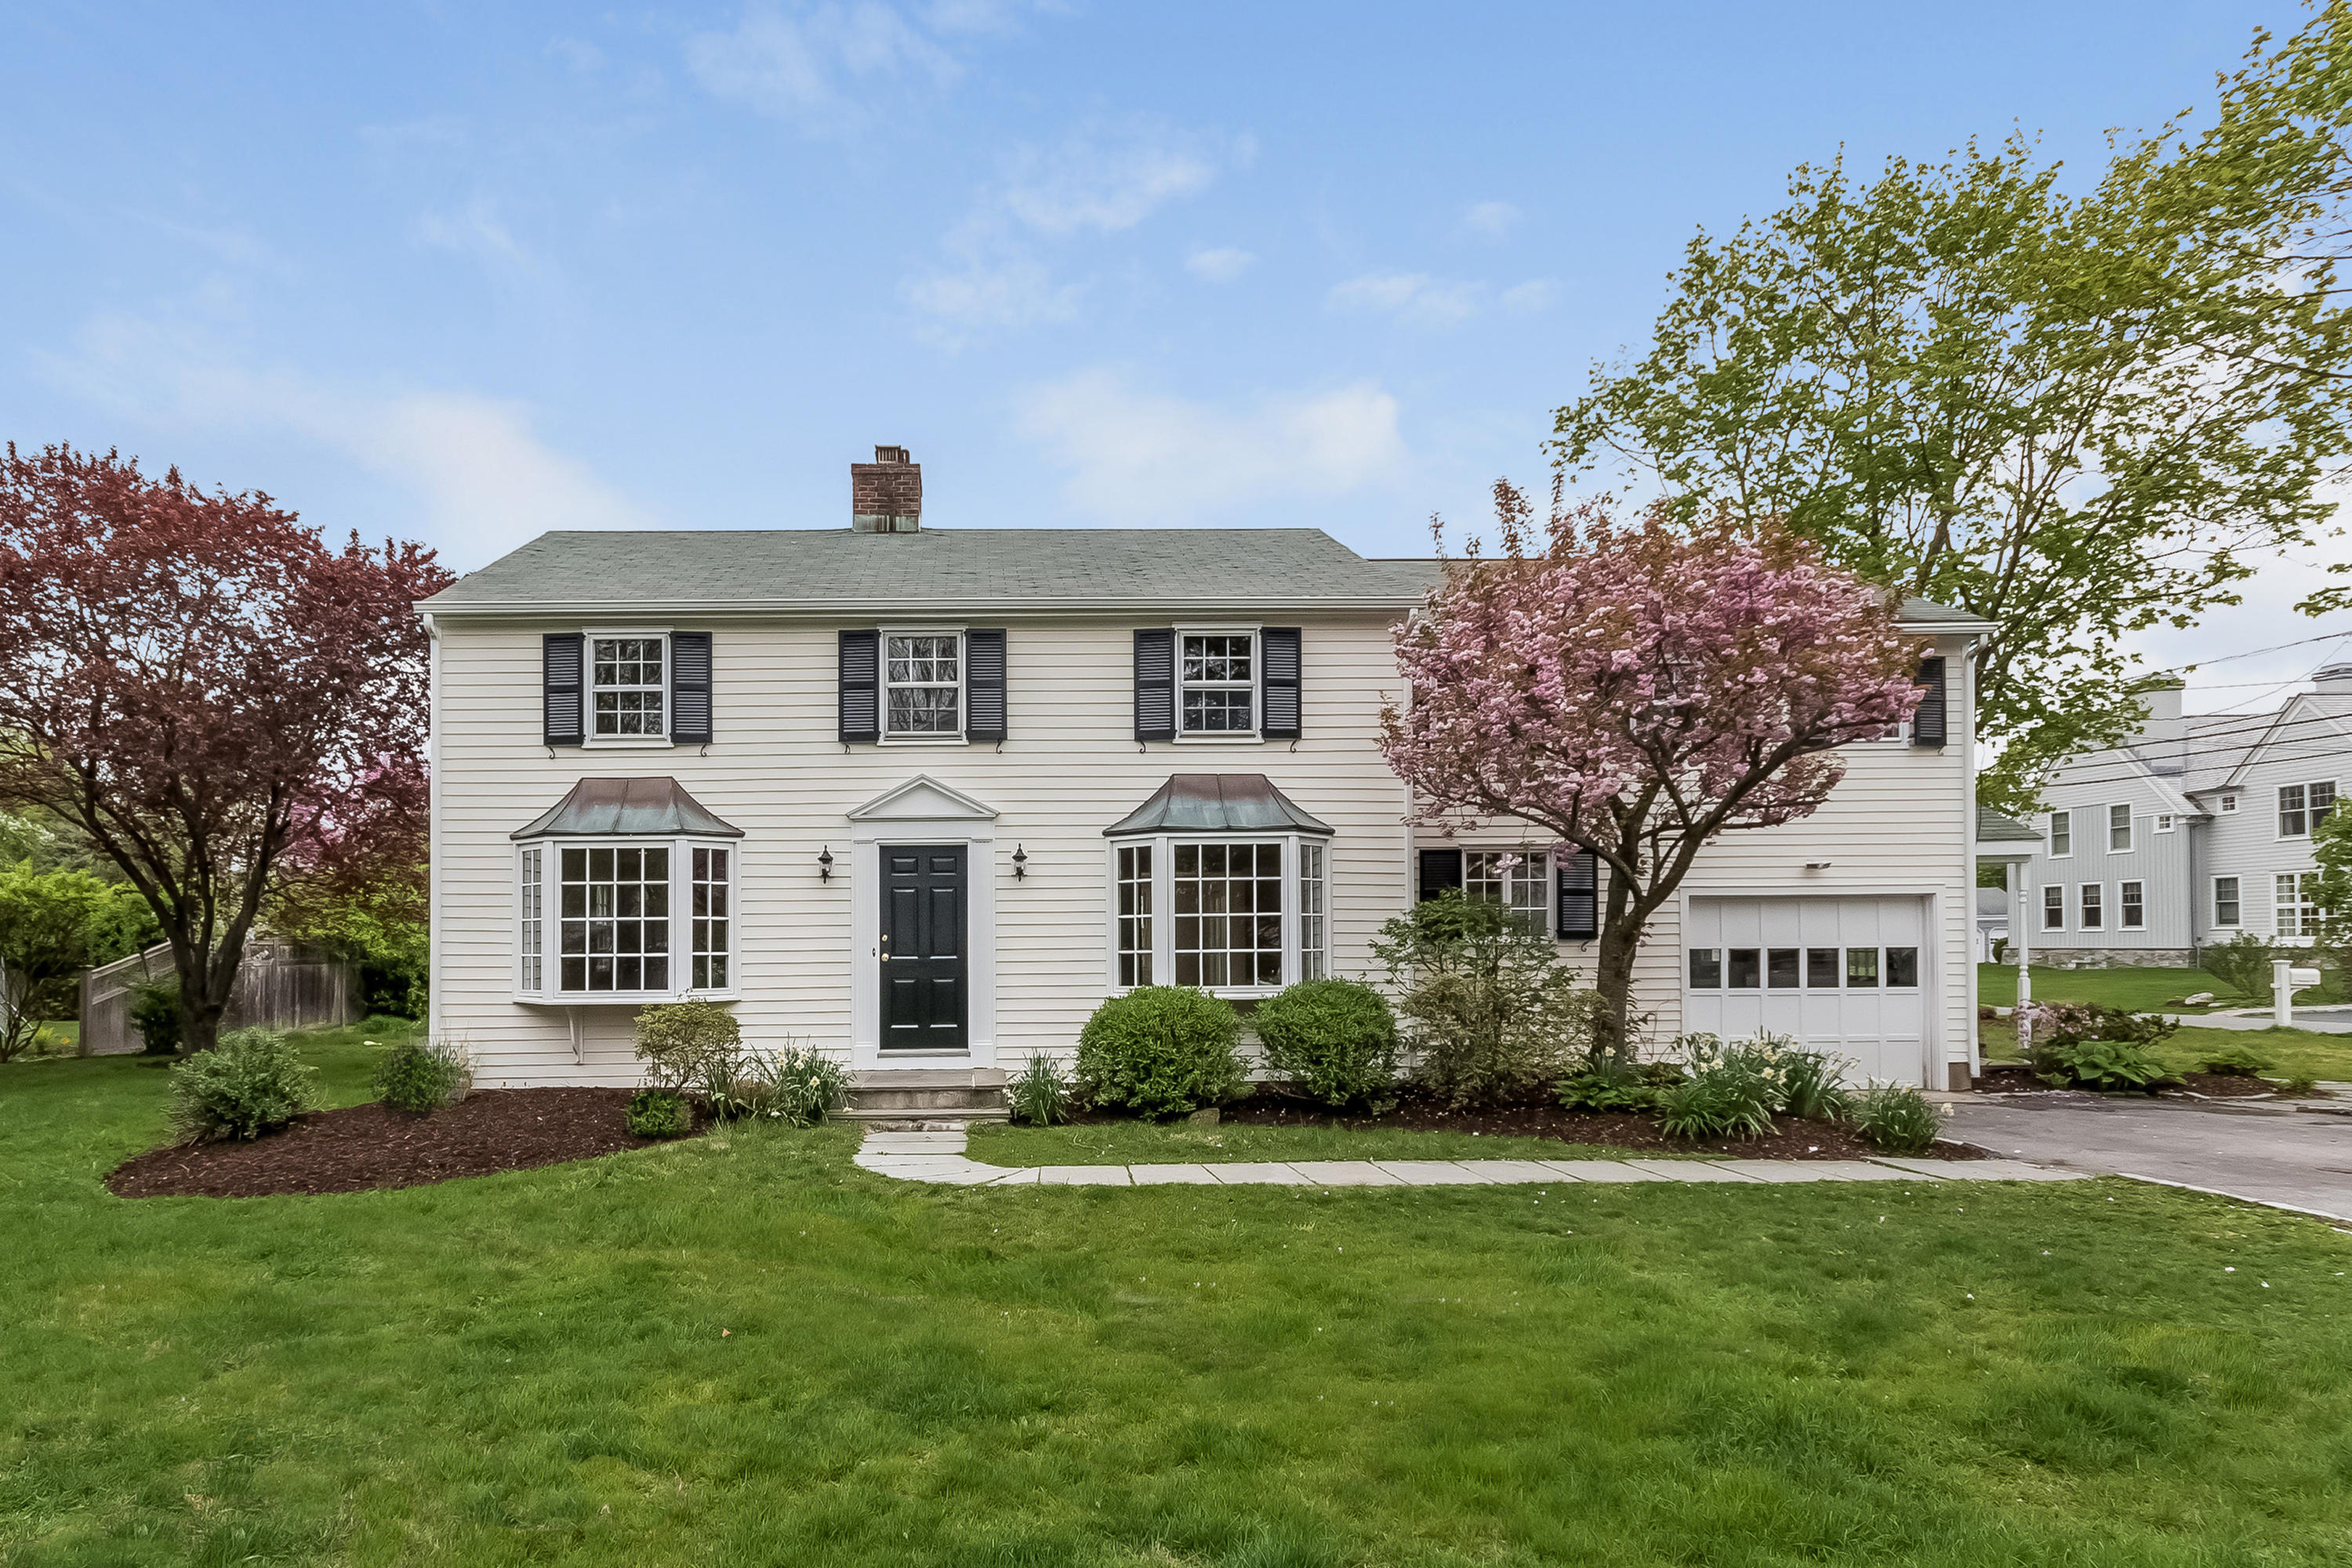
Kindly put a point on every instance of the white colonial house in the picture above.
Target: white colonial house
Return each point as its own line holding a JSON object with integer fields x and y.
{"x": 922, "y": 798}
{"x": 2195, "y": 829}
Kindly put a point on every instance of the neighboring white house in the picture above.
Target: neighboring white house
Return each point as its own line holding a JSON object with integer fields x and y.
{"x": 2194, "y": 830}
{"x": 922, "y": 798}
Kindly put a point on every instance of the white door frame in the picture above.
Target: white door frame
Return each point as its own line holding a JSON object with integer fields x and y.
{"x": 921, "y": 811}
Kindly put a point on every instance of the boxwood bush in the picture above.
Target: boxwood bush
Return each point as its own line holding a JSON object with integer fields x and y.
{"x": 1335, "y": 1038}
{"x": 660, "y": 1113}
{"x": 1159, "y": 1051}
{"x": 253, "y": 1082}
{"x": 419, "y": 1077}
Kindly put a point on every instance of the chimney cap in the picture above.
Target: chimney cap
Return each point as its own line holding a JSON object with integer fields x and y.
{"x": 890, "y": 455}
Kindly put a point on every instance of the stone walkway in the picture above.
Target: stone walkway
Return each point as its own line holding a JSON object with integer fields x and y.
{"x": 940, "y": 1157}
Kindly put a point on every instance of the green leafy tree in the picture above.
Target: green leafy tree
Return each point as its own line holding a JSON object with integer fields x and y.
{"x": 2075, "y": 415}
{"x": 53, "y": 925}
{"x": 2331, "y": 848}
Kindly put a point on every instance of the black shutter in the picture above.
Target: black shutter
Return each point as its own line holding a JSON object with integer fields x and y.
{"x": 689, "y": 687}
{"x": 1155, "y": 685}
{"x": 1278, "y": 681}
{"x": 983, "y": 685}
{"x": 1927, "y": 719}
{"x": 1580, "y": 897}
{"x": 860, "y": 671}
{"x": 1440, "y": 869}
{"x": 560, "y": 659}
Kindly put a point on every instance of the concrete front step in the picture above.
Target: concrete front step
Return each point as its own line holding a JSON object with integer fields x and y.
{"x": 925, "y": 1096}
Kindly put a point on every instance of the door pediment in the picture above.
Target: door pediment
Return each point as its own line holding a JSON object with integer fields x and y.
{"x": 923, "y": 799}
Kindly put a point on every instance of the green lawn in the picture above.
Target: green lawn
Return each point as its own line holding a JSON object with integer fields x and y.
{"x": 742, "y": 1350}
{"x": 2149, "y": 990}
{"x": 2294, "y": 1053}
{"x": 1142, "y": 1144}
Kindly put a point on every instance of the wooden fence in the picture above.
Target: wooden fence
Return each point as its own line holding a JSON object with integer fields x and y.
{"x": 279, "y": 985}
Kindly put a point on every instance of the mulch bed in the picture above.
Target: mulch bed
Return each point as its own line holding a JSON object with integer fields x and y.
{"x": 2014, "y": 1079}
{"x": 366, "y": 1147}
{"x": 1615, "y": 1129}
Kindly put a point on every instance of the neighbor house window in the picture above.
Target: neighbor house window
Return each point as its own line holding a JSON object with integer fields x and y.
{"x": 2054, "y": 909}
{"x": 2225, "y": 901}
{"x": 2062, "y": 833}
{"x": 2118, "y": 828}
{"x": 1515, "y": 878}
{"x": 2296, "y": 901}
{"x": 1312, "y": 939}
{"x": 615, "y": 920}
{"x": 531, "y": 929}
{"x": 1217, "y": 676}
{"x": 1135, "y": 914}
{"x": 922, "y": 681}
{"x": 2164, "y": 821}
{"x": 2300, "y": 806}
{"x": 2132, "y": 912}
{"x": 2229, "y": 803}
{"x": 713, "y": 918}
{"x": 2093, "y": 915}
{"x": 627, "y": 688}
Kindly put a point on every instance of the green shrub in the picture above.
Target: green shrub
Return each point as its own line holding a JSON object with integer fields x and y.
{"x": 2234, "y": 1060}
{"x": 1335, "y": 1038}
{"x": 253, "y": 1082}
{"x": 2242, "y": 963}
{"x": 1039, "y": 1094}
{"x": 679, "y": 1042}
{"x": 420, "y": 1077}
{"x": 1896, "y": 1117}
{"x": 1715, "y": 1105}
{"x": 1490, "y": 1014}
{"x": 803, "y": 1086}
{"x": 1609, "y": 1086}
{"x": 1809, "y": 1086}
{"x": 660, "y": 1113}
{"x": 156, "y": 1013}
{"x": 2071, "y": 1023}
{"x": 1159, "y": 1051}
{"x": 2111, "y": 1064}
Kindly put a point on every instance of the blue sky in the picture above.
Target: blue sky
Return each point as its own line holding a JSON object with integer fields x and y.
{"x": 467, "y": 272}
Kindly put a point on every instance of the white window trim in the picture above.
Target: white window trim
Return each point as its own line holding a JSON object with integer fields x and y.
{"x": 2229, "y": 804}
{"x": 1163, "y": 906}
{"x": 2061, "y": 889}
{"x": 2309, "y": 818}
{"x": 2081, "y": 925}
{"x": 2067, "y": 853}
{"x": 2213, "y": 907}
{"x": 2167, "y": 821}
{"x": 1255, "y": 735}
{"x": 963, "y": 685}
{"x": 2299, "y": 934}
{"x": 2131, "y": 831}
{"x": 588, "y": 736}
{"x": 1546, "y": 876}
{"x": 681, "y": 850}
{"x": 2125, "y": 907}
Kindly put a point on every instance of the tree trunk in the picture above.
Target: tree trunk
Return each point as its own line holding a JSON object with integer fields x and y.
{"x": 204, "y": 992}
{"x": 1612, "y": 1032}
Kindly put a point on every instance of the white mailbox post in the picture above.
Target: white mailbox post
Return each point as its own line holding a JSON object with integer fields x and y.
{"x": 2286, "y": 981}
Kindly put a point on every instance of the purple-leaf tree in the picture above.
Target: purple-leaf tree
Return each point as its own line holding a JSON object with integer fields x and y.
{"x": 1637, "y": 691}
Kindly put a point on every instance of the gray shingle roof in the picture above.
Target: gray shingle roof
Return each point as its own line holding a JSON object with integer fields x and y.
{"x": 1001, "y": 568}
{"x": 1992, "y": 828}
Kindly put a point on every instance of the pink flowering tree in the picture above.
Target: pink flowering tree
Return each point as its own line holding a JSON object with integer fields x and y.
{"x": 1638, "y": 690}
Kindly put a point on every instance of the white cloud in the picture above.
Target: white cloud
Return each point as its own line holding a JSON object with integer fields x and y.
{"x": 1106, "y": 178}
{"x": 1493, "y": 220}
{"x": 993, "y": 285}
{"x": 816, "y": 68}
{"x": 484, "y": 481}
{"x": 1412, "y": 297}
{"x": 1535, "y": 294}
{"x": 1141, "y": 456}
{"x": 1221, "y": 265}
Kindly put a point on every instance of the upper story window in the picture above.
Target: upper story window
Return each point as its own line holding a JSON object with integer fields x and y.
{"x": 1217, "y": 683}
{"x": 2062, "y": 833}
{"x": 2119, "y": 828}
{"x": 923, "y": 683}
{"x": 1518, "y": 879}
{"x": 2301, "y": 805}
{"x": 628, "y": 688}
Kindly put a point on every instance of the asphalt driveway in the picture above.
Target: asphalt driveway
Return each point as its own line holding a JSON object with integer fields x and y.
{"x": 2293, "y": 1159}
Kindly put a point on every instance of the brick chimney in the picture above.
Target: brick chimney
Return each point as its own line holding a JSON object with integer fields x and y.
{"x": 886, "y": 496}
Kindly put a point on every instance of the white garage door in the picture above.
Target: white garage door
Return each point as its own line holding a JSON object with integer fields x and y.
{"x": 1846, "y": 975}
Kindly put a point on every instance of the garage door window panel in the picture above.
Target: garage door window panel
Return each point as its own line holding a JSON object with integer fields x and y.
{"x": 1707, "y": 968}
{"x": 1746, "y": 969}
{"x": 1822, "y": 968}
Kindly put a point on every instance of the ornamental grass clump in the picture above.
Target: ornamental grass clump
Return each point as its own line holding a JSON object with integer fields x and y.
{"x": 1333, "y": 1038}
{"x": 1039, "y": 1094}
{"x": 795, "y": 1085}
{"x": 2234, "y": 1060}
{"x": 254, "y": 1081}
{"x": 1896, "y": 1117}
{"x": 417, "y": 1078}
{"x": 1159, "y": 1051}
{"x": 1729, "y": 1092}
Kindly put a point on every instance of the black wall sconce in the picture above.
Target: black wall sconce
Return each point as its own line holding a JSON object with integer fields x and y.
{"x": 825, "y": 864}
{"x": 1020, "y": 862}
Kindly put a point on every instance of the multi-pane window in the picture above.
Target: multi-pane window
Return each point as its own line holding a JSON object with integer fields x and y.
{"x": 1511, "y": 877}
{"x": 2229, "y": 803}
{"x": 2062, "y": 833}
{"x": 627, "y": 686}
{"x": 2131, "y": 911}
{"x": 2225, "y": 901}
{"x": 1228, "y": 914}
{"x": 2299, "y": 807}
{"x": 1312, "y": 939}
{"x": 2119, "y": 828}
{"x": 2296, "y": 900}
{"x": 531, "y": 929}
{"x": 1135, "y": 915}
{"x": 1808, "y": 968}
{"x": 713, "y": 918}
{"x": 2094, "y": 911}
{"x": 615, "y": 920}
{"x": 2164, "y": 821}
{"x": 1218, "y": 676}
{"x": 2054, "y": 909}
{"x": 924, "y": 682}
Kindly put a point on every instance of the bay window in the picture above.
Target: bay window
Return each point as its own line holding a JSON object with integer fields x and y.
{"x": 1243, "y": 916}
